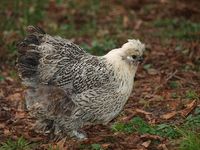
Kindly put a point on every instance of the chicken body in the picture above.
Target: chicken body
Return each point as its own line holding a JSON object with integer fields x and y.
{"x": 68, "y": 88}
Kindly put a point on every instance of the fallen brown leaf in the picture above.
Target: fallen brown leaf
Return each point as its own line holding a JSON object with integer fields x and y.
{"x": 143, "y": 112}
{"x": 125, "y": 21}
{"x": 169, "y": 115}
{"x": 152, "y": 71}
{"x": 162, "y": 147}
{"x": 149, "y": 116}
{"x": 129, "y": 117}
{"x": 7, "y": 132}
{"x": 149, "y": 136}
{"x": 189, "y": 107}
{"x": 138, "y": 24}
{"x": 1, "y": 93}
{"x": 9, "y": 79}
{"x": 2, "y": 125}
{"x": 164, "y": 1}
{"x": 61, "y": 144}
{"x": 15, "y": 96}
{"x": 146, "y": 144}
{"x": 173, "y": 104}
{"x": 20, "y": 114}
{"x": 105, "y": 145}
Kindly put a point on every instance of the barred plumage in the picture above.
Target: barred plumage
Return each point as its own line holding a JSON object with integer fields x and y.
{"x": 68, "y": 88}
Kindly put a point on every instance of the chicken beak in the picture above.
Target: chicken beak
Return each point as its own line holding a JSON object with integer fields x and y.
{"x": 140, "y": 58}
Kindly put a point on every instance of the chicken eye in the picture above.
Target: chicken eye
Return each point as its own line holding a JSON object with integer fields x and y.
{"x": 134, "y": 56}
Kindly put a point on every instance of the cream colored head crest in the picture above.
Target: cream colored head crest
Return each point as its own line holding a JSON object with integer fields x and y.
{"x": 129, "y": 55}
{"x": 133, "y": 47}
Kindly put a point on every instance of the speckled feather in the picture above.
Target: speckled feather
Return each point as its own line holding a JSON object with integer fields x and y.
{"x": 67, "y": 87}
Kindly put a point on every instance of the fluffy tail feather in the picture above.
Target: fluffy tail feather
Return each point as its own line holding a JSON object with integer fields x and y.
{"x": 29, "y": 55}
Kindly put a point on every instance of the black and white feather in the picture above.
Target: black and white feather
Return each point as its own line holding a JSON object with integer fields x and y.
{"x": 68, "y": 88}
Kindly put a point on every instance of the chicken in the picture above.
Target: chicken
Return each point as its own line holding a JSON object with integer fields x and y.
{"x": 68, "y": 88}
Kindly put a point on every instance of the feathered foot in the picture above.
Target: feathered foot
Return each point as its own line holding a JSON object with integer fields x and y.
{"x": 80, "y": 135}
{"x": 43, "y": 126}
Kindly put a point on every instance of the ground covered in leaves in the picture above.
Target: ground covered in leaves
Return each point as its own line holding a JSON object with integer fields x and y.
{"x": 163, "y": 112}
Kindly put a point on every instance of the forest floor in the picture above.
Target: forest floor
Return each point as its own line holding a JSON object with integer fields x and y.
{"x": 163, "y": 112}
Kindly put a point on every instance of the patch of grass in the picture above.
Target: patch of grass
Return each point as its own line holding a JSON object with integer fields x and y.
{"x": 71, "y": 29}
{"x": 94, "y": 5}
{"x": 141, "y": 126}
{"x": 64, "y": 30}
{"x": 123, "y": 127}
{"x": 147, "y": 66}
{"x": 190, "y": 140}
{"x": 81, "y": 22}
{"x": 84, "y": 146}
{"x": 99, "y": 47}
{"x": 11, "y": 48}
{"x": 94, "y": 146}
{"x": 91, "y": 7}
{"x": 2, "y": 78}
{"x": 109, "y": 139}
{"x": 174, "y": 84}
{"x": 197, "y": 66}
{"x": 13, "y": 74}
{"x": 147, "y": 8}
{"x": 193, "y": 120}
{"x": 137, "y": 124}
{"x": 174, "y": 95}
{"x": 25, "y": 12}
{"x": 20, "y": 144}
{"x": 177, "y": 28}
{"x": 191, "y": 94}
{"x": 186, "y": 68}
{"x": 50, "y": 147}
{"x": 16, "y": 15}
{"x": 166, "y": 130}
{"x": 89, "y": 28}
{"x": 144, "y": 102}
